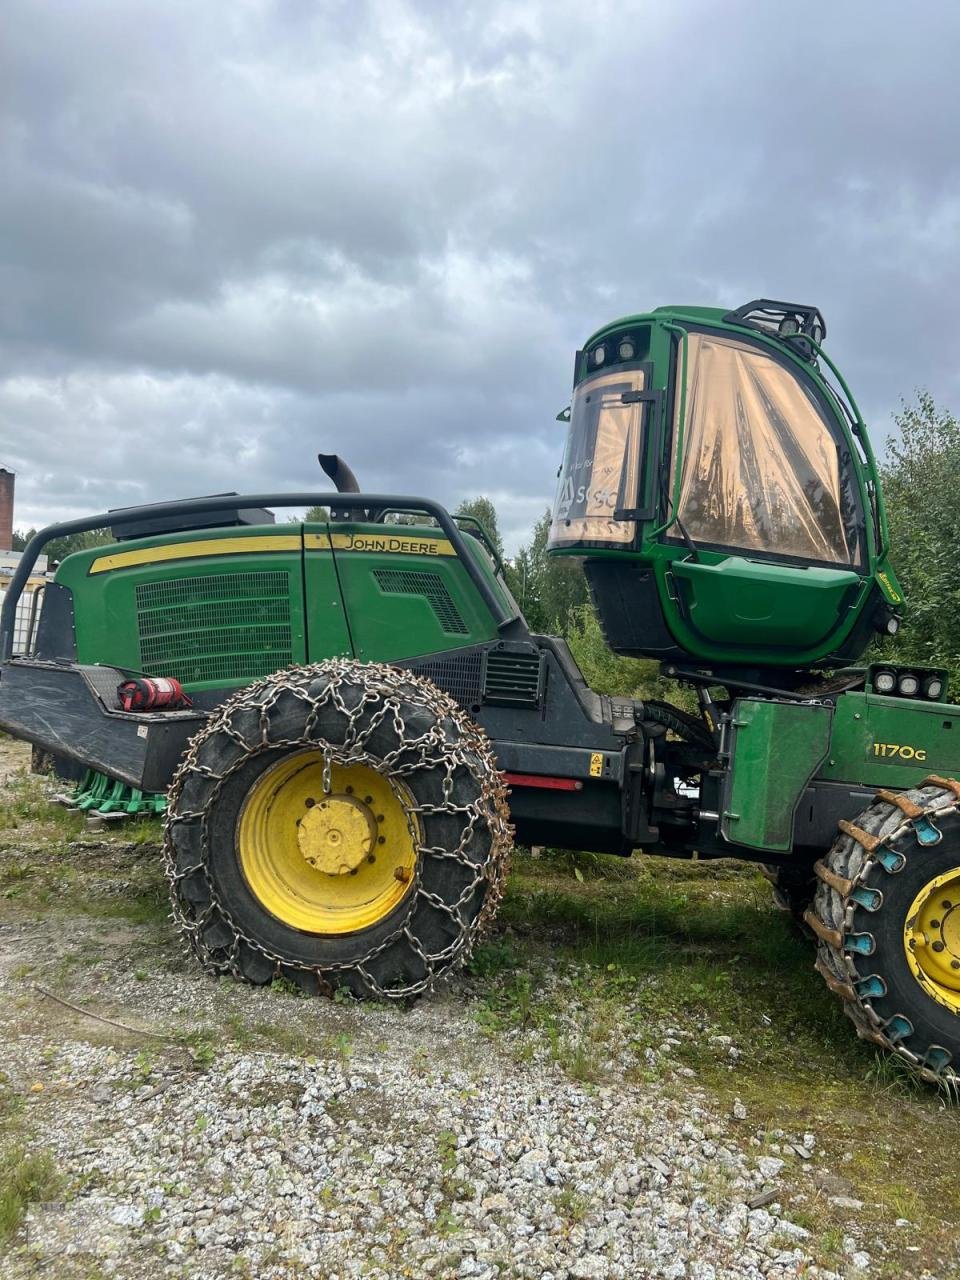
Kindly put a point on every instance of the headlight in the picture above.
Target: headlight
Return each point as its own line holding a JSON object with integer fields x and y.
{"x": 908, "y": 685}
{"x": 932, "y": 687}
{"x": 893, "y": 625}
{"x": 626, "y": 349}
{"x": 788, "y": 326}
{"x": 884, "y": 681}
{"x": 598, "y": 355}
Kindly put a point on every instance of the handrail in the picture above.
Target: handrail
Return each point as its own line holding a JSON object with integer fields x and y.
{"x": 191, "y": 506}
{"x": 679, "y": 441}
{"x": 859, "y": 428}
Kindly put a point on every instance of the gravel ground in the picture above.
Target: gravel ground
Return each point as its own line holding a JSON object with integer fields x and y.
{"x": 265, "y": 1135}
{"x": 390, "y": 1144}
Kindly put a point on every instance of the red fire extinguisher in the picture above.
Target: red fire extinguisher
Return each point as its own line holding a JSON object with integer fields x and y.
{"x": 146, "y": 694}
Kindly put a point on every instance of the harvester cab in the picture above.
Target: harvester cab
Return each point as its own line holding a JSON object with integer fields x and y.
{"x": 720, "y": 487}
{"x": 368, "y": 721}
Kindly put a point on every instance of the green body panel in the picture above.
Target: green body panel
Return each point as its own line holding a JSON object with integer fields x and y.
{"x": 892, "y": 742}
{"x": 401, "y": 598}
{"x": 266, "y": 596}
{"x": 776, "y": 749}
{"x": 743, "y": 603}
{"x": 208, "y": 621}
{"x": 751, "y": 610}
{"x": 867, "y": 741}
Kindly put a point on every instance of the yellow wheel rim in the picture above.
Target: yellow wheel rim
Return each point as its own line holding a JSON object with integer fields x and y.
{"x": 327, "y": 862}
{"x": 931, "y": 937}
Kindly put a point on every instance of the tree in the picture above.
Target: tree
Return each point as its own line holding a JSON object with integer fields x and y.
{"x": 60, "y": 548}
{"x": 485, "y": 513}
{"x": 921, "y": 484}
{"x": 608, "y": 672}
{"x": 549, "y": 589}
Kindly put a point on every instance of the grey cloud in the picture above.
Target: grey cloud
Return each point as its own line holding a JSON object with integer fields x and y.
{"x": 237, "y": 233}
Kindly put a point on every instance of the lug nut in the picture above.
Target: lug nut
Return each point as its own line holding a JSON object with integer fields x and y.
{"x": 381, "y": 839}
{"x": 946, "y": 904}
{"x": 371, "y": 857}
{"x": 934, "y": 924}
{"x": 368, "y": 799}
{"x": 938, "y": 946}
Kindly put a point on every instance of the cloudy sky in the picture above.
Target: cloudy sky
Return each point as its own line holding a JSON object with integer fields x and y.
{"x": 235, "y": 232}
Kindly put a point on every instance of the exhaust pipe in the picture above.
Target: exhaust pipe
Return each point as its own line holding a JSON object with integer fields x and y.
{"x": 338, "y": 471}
{"x": 345, "y": 482}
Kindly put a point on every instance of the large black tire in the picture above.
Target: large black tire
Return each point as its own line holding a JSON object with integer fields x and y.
{"x": 352, "y": 715}
{"x": 868, "y": 884}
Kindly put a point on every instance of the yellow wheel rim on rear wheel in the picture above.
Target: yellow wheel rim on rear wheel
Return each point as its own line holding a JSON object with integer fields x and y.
{"x": 931, "y": 936}
{"x": 327, "y": 862}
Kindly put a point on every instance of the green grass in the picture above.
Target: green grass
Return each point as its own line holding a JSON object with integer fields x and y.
{"x": 26, "y": 1177}
{"x": 26, "y": 803}
{"x": 50, "y": 860}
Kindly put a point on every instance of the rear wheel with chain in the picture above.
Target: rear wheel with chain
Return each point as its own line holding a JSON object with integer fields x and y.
{"x": 887, "y": 916}
{"x": 343, "y": 826}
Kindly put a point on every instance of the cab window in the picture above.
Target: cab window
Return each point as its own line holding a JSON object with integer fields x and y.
{"x": 764, "y": 470}
{"x": 600, "y": 465}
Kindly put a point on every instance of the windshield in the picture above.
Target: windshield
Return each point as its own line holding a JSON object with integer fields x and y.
{"x": 601, "y": 461}
{"x": 762, "y": 468}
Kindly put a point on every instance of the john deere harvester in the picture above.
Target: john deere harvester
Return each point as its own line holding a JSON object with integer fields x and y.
{"x": 369, "y": 714}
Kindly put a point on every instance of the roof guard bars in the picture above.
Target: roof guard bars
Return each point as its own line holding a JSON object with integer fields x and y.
{"x": 188, "y": 506}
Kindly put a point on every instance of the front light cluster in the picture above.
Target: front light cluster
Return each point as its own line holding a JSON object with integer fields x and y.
{"x": 908, "y": 684}
{"x": 625, "y": 349}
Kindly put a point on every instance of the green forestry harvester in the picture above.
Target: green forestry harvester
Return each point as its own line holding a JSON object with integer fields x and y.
{"x": 369, "y": 715}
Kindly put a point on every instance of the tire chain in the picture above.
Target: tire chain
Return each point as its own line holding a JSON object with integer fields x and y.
{"x": 842, "y": 875}
{"x": 384, "y": 689}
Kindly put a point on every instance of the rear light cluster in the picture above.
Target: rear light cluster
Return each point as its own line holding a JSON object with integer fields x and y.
{"x": 908, "y": 684}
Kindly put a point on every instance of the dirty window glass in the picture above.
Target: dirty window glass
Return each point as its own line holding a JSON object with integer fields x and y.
{"x": 599, "y": 472}
{"x": 761, "y": 468}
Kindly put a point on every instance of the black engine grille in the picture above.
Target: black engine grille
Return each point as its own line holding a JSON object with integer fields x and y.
{"x": 512, "y": 679}
{"x": 429, "y": 585}
{"x": 459, "y": 674}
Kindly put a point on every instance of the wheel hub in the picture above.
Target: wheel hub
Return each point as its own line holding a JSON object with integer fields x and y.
{"x": 327, "y": 850}
{"x": 336, "y": 834}
{"x": 932, "y": 938}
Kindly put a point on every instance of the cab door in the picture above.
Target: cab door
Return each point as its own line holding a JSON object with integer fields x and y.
{"x": 764, "y": 488}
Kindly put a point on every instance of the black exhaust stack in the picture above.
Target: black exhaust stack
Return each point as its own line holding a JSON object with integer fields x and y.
{"x": 345, "y": 482}
{"x": 338, "y": 471}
